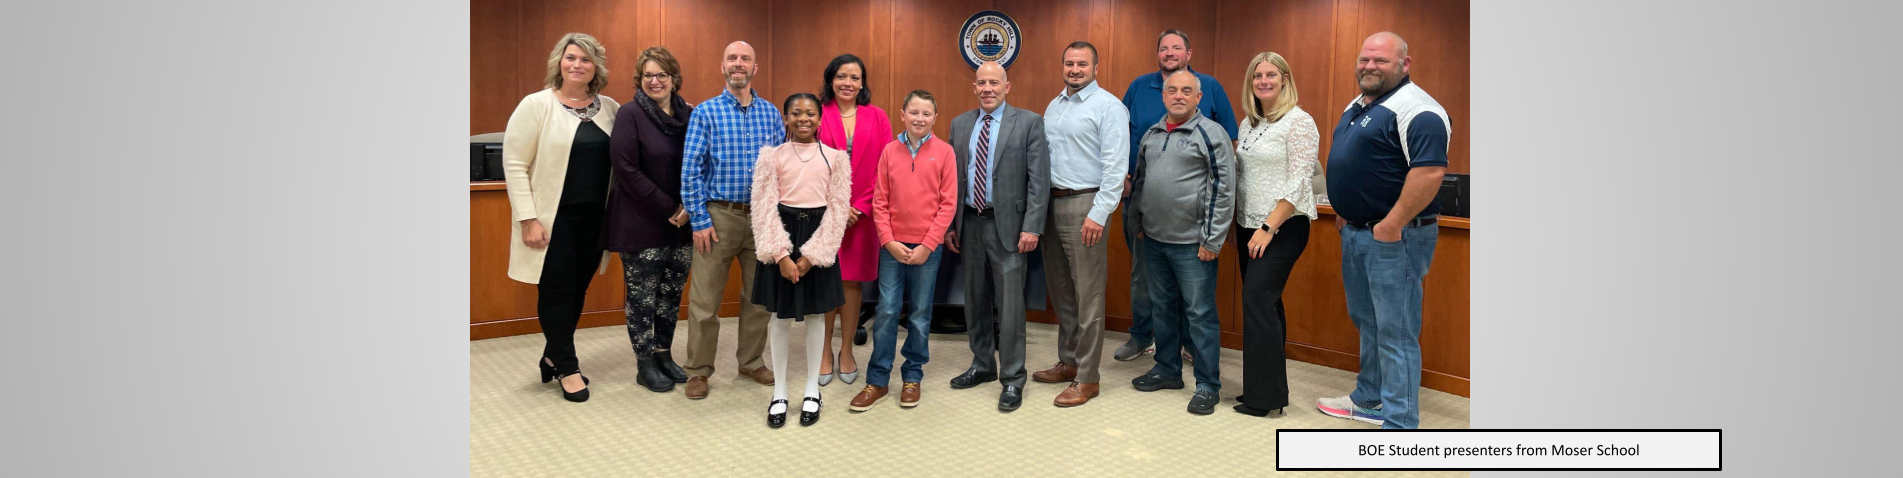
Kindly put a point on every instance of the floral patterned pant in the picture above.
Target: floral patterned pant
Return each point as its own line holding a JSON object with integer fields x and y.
{"x": 655, "y": 278}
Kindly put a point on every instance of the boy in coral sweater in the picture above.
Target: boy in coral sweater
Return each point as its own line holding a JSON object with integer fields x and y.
{"x": 912, "y": 206}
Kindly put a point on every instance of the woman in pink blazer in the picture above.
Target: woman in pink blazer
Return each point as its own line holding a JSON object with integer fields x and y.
{"x": 849, "y": 122}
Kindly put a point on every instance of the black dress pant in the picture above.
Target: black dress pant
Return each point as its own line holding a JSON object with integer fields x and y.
{"x": 574, "y": 253}
{"x": 1264, "y": 329}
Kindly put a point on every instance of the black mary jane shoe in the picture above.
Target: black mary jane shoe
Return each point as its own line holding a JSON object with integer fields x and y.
{"x": 776, "y": 420}
{"x": 809, "y": 418}
{"x": 577, "y": 396}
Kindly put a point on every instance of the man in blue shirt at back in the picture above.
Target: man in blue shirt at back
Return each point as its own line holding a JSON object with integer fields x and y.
{"x": 1144, "y": 100}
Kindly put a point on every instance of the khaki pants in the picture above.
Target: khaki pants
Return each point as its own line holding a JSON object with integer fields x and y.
{"x": 708, "y": 278}
{"x": 1075, "y": 274}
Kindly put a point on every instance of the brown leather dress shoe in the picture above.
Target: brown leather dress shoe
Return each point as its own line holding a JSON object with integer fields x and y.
{"x": 1076, "y": 394}
{"x": 908, "y": 395}
{"x": 1059, "y": 373}
{"x": 697, "y": 387}
{"x": 867, "y": 398}
{"x": 762, "y": 375}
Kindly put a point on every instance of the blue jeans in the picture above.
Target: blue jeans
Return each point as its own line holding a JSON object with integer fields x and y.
{"x": 1382, "y": 281}
{"x": 1175, "y": 274}
{"x": 1140, "y": 306}
{"x": 899, "y": 283}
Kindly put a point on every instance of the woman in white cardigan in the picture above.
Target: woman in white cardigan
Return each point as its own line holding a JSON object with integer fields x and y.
{"x": 555, "y": 160}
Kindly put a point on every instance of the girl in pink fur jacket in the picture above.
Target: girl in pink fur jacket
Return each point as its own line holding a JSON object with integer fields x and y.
{"x": 802, "y": 193}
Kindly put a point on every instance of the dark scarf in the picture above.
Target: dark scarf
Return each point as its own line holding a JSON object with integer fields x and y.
{"x": 670, "y": 125}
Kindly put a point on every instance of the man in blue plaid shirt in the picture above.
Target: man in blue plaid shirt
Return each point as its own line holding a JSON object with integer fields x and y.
{"x": 724, "y": 137}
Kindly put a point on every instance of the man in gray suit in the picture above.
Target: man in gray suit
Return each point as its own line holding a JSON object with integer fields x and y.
{"x": 1004, "y": 188}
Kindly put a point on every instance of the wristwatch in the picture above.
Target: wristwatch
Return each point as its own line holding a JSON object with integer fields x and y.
{"x": 1269, "y": 229}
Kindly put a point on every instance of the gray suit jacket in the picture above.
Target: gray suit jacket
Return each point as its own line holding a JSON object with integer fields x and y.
{"x": 1022, "y": 191}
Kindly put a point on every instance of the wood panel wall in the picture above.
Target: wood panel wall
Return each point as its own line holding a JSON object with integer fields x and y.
{"x": 910, "y": 44}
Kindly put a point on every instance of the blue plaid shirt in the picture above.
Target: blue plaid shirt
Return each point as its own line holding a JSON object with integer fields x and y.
{"x": 723, "y": 142}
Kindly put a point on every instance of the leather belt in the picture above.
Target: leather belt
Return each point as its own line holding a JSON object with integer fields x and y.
{"x": 988, "y": 212}
{"x": 1415, "y": 222}
{"x": 731, "y": 205}
{"x": 1064, "y": 193}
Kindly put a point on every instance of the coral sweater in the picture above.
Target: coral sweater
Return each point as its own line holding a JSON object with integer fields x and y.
{"x": 916, "y": 196}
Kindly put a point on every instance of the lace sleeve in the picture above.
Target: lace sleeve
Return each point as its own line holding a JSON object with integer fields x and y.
{"x": 1304, "y": 146}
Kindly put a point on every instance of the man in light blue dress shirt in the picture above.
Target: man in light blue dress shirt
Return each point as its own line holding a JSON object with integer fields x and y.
{"x": 1088, "y": 132}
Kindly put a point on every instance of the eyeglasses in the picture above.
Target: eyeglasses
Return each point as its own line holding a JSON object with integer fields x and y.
{"x": 656, "y": 76}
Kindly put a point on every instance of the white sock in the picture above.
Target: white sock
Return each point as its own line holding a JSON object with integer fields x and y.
{"x": 815, "y": 334}
{"x": 777, "y": 330}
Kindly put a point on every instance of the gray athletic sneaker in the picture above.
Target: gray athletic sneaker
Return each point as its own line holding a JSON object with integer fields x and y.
{"x": 1131, "y": 349}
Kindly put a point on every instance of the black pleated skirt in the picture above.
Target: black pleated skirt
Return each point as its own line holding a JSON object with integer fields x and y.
{"x": 818, "y": 291}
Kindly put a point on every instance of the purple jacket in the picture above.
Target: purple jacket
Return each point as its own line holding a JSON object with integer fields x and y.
{"x": 647, "y": 178}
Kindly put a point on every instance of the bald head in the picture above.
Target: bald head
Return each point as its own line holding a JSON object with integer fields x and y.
{"x": 738, "y": 65}
{"x": 1381, "y": 65}
{"x": 1182, "y": 91}
{"x": 1183, "y": 78}
{"x": 992, "y": 69}
{"x": 990, "y": 85}
{"x": 1386, "y": 41}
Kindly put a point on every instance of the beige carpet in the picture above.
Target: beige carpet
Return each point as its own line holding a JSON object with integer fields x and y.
{"x": 519, "y": 426}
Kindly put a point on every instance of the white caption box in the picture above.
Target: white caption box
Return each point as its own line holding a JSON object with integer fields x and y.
{"x": 1298, "y": 450}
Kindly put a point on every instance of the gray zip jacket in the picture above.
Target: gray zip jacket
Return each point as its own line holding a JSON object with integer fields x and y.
{"x": 1184, "y": 187}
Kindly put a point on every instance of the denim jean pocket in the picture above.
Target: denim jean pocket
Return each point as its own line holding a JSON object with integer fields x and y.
{"x": 1386, "y": 243}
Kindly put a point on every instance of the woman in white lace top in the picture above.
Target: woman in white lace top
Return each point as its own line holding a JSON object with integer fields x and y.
{"x": 1277, "y": 154}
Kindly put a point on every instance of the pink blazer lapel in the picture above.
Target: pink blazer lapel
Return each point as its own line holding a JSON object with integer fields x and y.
{"x": 832, "y": 132}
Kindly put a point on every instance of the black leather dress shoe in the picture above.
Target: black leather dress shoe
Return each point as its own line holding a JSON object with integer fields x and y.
{"x": 1012, "y": 397}
{"x": 1151, "y": 382}
{"x": 972, "y": 378}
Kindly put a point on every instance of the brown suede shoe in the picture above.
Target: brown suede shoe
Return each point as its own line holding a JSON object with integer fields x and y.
{"x": 872, "y": 395}
{"x": 908, "y": 395}
{"x": 1059, "y": 373}
{"x": 697, "y": 387}
{"x": 762, "y": 375}
{"x": 1076, "y": 394}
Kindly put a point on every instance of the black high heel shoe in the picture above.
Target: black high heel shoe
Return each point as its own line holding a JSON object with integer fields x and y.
{"x": 548, "y": 371}
{"x": 776, "y": 420}
{"x": 808, "y": 418}
{"x": 1257, "y": 412}
{"x": 665, "y": 360}
{"x": 577, "y": 396}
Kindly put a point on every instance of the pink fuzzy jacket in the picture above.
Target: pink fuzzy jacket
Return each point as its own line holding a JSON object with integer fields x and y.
{"x": 770, "y": 240}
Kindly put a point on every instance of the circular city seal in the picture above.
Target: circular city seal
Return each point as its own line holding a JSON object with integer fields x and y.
{"x": 989, "y": 35}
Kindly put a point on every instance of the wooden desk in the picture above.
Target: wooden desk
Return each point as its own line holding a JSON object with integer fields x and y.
{"x": 501, "y": 307}
{"x": 1319, "y": 330}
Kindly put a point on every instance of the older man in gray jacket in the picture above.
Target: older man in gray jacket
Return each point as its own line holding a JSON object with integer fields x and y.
{"x": 1184, "y": 194}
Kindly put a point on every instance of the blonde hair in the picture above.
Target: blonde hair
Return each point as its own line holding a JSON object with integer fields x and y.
{"x": 588, "y": 47}
{"x": 1284, "y": 101}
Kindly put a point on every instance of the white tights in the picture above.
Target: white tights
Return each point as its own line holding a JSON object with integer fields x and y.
{"x": 777, "y": 335}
